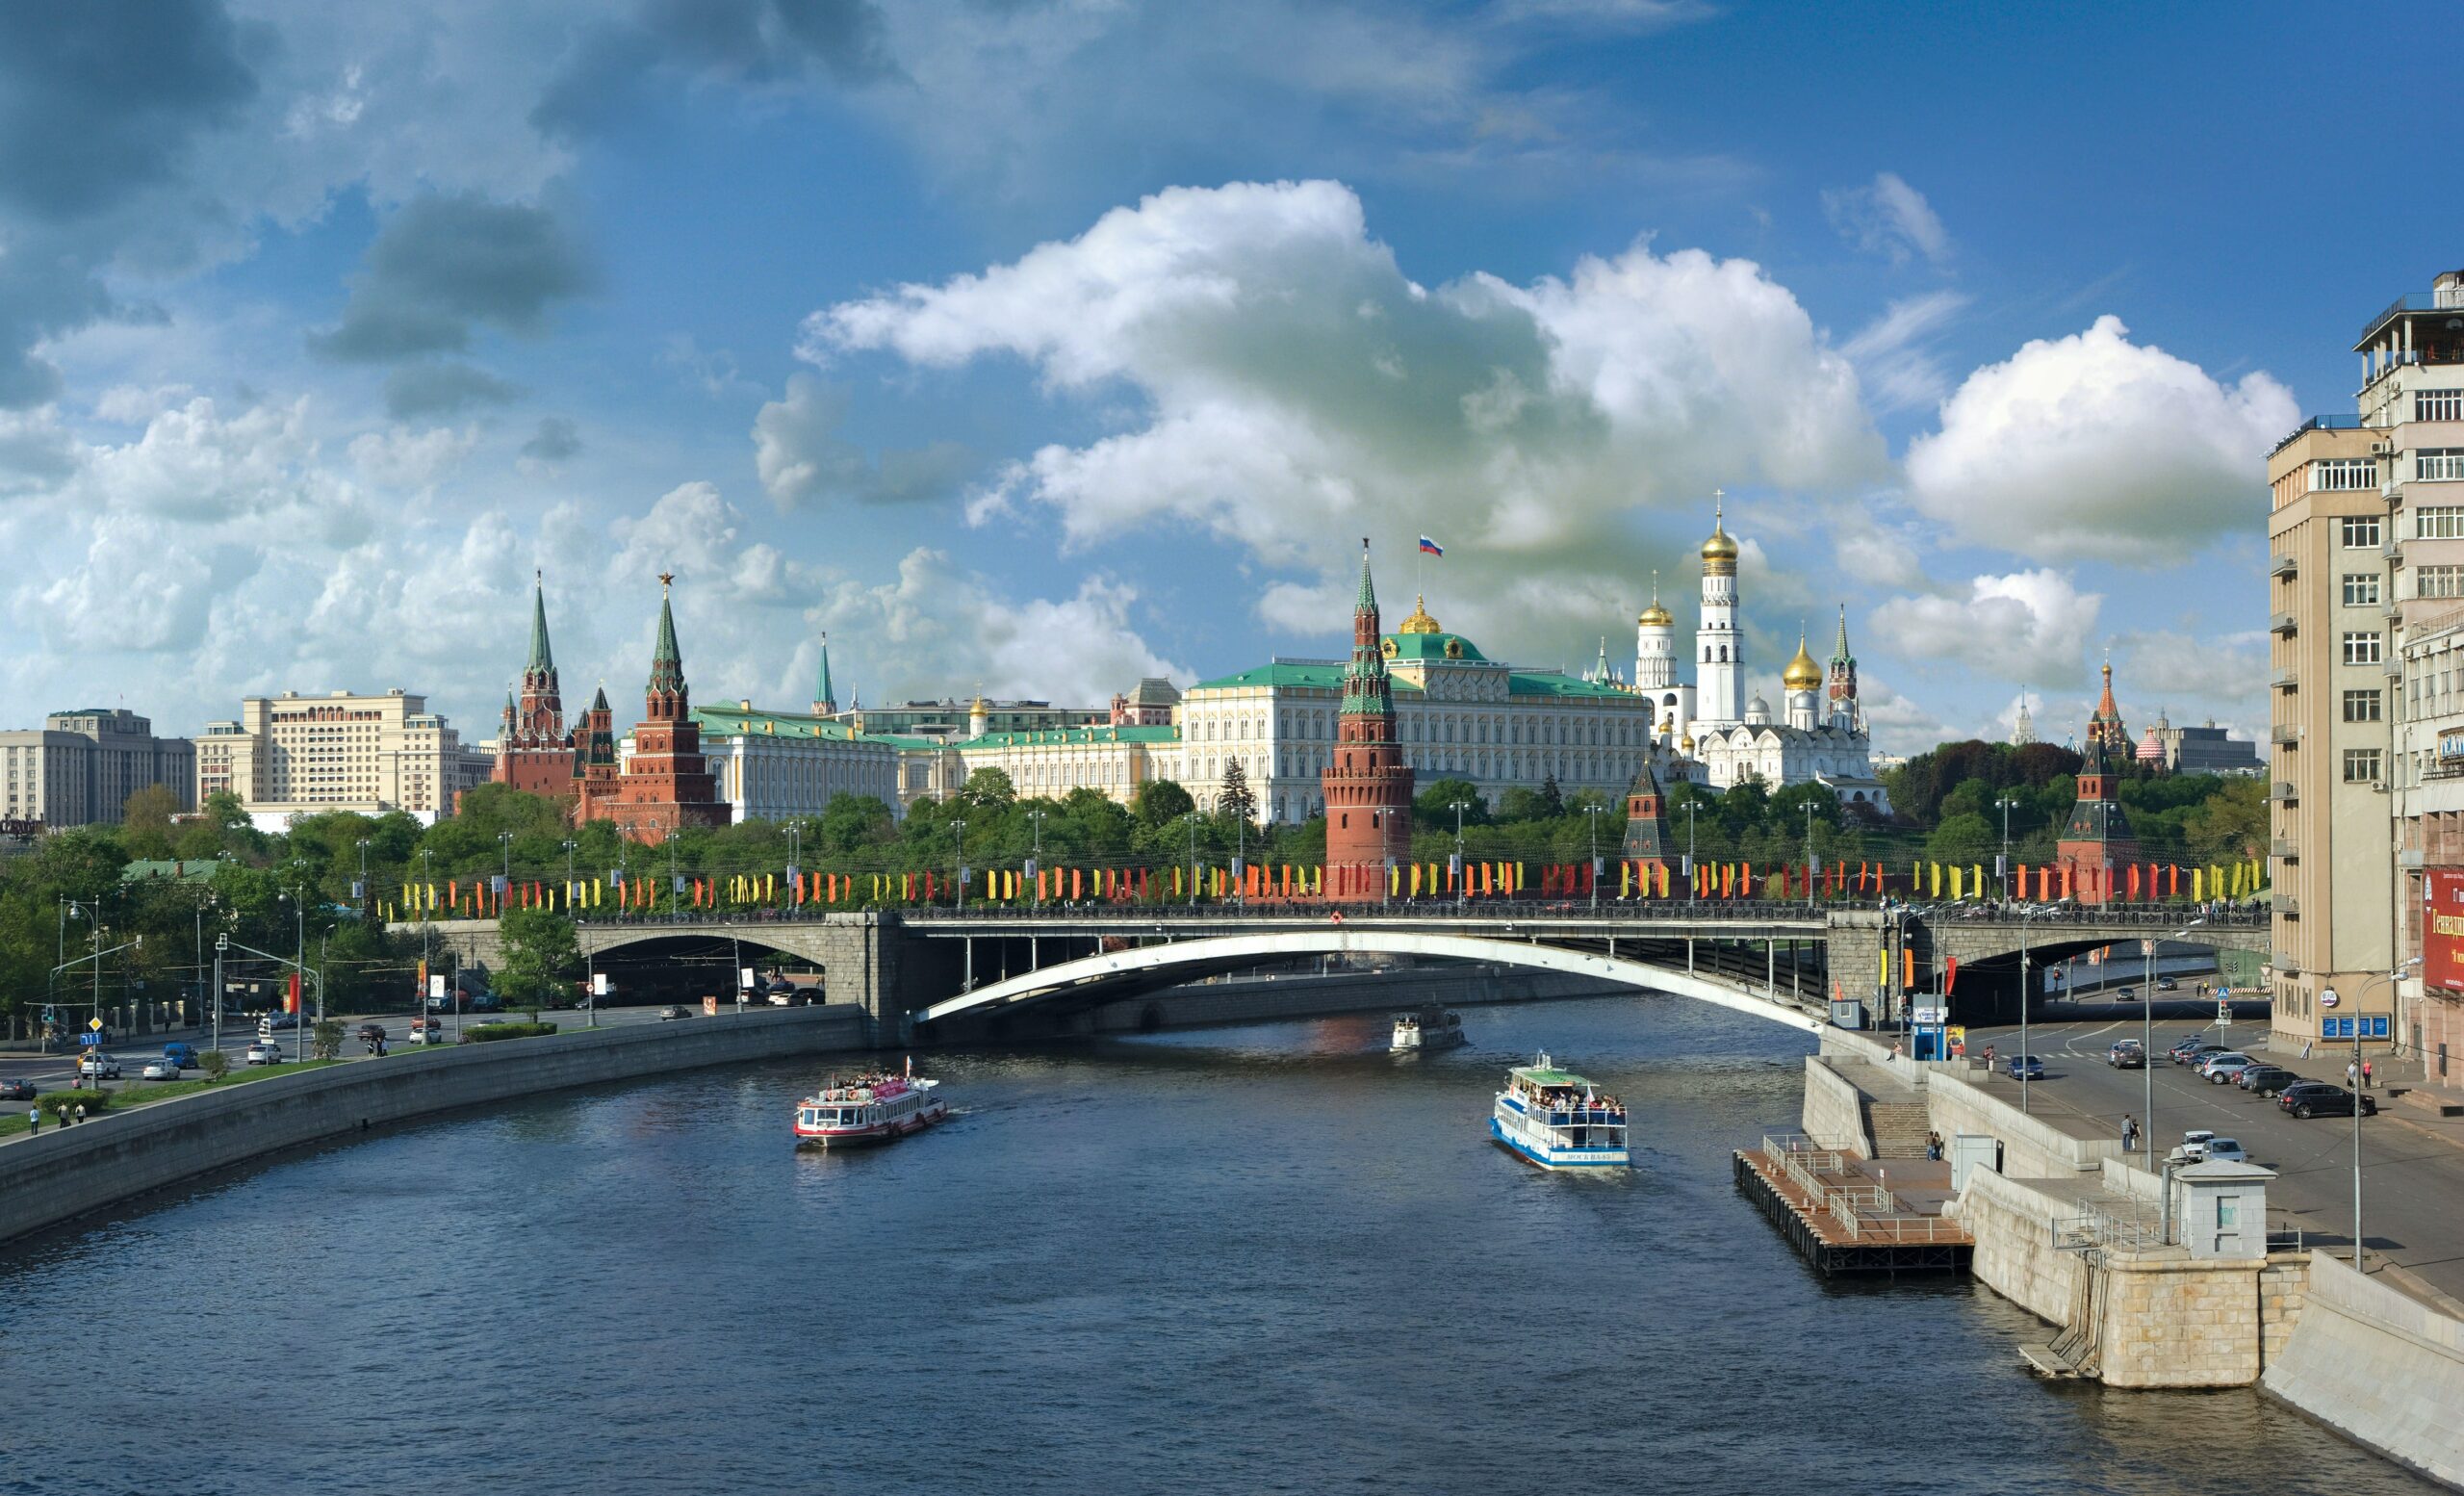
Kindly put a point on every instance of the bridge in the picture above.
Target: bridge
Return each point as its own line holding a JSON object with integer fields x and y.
{"x": 940, "y": 971}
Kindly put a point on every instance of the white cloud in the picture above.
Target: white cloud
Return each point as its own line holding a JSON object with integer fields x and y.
{"x": 804, "y": 457}
{"x": 2027, "y": 626}
{"x": 1298, "y": 389}
{"x": 195, "y": 463}
{"x": 1889, "y": 218}
{"x": 2094, "y": 445}
{"x": 1891, "y": 352}
{"x": 399, "y": 457}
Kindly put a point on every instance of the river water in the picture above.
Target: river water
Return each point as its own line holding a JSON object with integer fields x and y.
{"x": 1263, "y": 1259}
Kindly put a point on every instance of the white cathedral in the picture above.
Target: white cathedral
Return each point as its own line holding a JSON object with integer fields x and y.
{"x": 1726, "y": 739}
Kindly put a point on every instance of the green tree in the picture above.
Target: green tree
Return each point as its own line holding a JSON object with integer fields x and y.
{"x": 325, "y": 1040}
{"x": 852, "y": 822}
{"x": 1434, "y": 806}
{"x": 145, "y": 821}
{"x": 988, "y": 790}
{"x": 1238, "y": 802}
{"x": 1160, "y": 802}
{"x": 541, "y": 956}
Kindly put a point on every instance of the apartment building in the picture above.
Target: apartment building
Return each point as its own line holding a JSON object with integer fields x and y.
{"x": 292, "y": 755}
{"x": 80, "y": 767}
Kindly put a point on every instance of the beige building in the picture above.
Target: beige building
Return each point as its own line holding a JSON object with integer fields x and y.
{"x": 293, "y": 755}
{"x": 80, "y": 767}
{"x": 2365, "y": 546}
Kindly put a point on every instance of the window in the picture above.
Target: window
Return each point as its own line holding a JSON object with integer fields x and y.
{"x": 2361, "y": 766}
{"x": 2438, "y": 405}
{"x": 2361, "y": 706}
{"x": 2337, "y": 474}
{"x": 2438, "y": 582}
{"x": 2439, "y": 462}
{"x": 2361, "y": 532}
{"x": 2361, "y": 648}
{"x": 2439, "y": 522}
{"x": 2361, "y": 589}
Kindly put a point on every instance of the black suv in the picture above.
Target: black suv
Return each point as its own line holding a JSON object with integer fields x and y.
{"x": 2319, "y": 1098}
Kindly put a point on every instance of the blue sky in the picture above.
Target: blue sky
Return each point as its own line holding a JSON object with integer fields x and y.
{"x": 1037, "y": 347}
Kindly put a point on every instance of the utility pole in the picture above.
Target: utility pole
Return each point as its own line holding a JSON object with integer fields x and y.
{"x": 1035, "y": 856}
{"x": 1462, "y": 870}
{"x": 2003, "y": 872}
{"x": 1591, "y": 814}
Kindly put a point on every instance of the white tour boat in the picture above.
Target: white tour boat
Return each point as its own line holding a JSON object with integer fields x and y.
{"x": 1558, "y": 1120}
{"x": 869, "y": 1109}
{"x": 1431, "y": 1028}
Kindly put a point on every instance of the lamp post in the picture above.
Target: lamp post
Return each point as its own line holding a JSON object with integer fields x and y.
{"x": 959, "y": 827}
{"x": 1591, "y": 814}
{"x": 2352, "y": 1084}
{"x": 299, "y": 1028}
{"x": 1190, "y": 819}
{"x": 1462, "y": 870}
{"x": 1810, "y": 856}
{"x": 504, "y": 841}
{"x": 361, "y": 891}
{"x": 1035, "y": 855}
{"x": 1693, "y": 879}
{"x": 2025, "y": 992}
{"x": 2005, "y": 805}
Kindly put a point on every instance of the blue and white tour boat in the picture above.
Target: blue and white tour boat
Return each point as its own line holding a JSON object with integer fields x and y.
{"x": 1557, "y": 1120}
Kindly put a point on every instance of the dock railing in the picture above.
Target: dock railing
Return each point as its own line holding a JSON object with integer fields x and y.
{"x": 1866, "y": 1211}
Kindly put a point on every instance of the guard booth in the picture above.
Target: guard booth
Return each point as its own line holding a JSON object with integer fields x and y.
{"x": 1929, "y": 1034}
{"x": 2223, "y": 1209}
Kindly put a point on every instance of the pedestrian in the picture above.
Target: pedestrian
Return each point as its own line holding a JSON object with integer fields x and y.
{"x": 81, "y": 1111}
{"x": 2365, "y": 1076}
{"x": 2129, "y": 1133}
{"x": 2352, "y": 1074}
{"x": 34, "y": 1119}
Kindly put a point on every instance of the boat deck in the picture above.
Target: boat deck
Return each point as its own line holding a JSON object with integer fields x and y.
{"x": 1846, "y": 1214}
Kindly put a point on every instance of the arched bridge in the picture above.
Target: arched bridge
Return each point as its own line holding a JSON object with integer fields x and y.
{"x": 946, "y": 967}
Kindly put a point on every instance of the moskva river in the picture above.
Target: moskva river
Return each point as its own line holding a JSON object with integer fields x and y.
{"x": 1263, "y": 1259}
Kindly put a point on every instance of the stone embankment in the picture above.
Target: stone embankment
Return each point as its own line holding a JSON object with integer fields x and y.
{"x": 2080, "y": 1234}
{"x": 65, "y": 1172}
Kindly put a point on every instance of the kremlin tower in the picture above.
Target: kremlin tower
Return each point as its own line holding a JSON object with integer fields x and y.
{"x": 1368, "y": 786}
{"x": 1719, "y": 677}
{"x": 666, "y": 785}
{"x": 534, "y": 753}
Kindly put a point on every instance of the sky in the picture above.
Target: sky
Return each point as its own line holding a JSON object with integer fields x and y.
{"x": 1031, "y": 346}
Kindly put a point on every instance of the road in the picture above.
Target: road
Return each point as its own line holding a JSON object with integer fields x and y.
{"x": 2413, "y": 1169}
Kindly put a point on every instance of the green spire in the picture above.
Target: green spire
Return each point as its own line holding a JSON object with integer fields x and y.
{"x": 667, "y": 661}
{"x": 1839, "y": 652}
{"x": 543, "y": 660}
{"x": 1367, "y": 594}
{"x": 1365, "y": 685}
{"x": 823, "y": 700}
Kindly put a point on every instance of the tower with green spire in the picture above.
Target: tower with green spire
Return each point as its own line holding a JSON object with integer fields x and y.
{"x": 825, "y": 701}
{"x": 1843, "y": 691}
{"x": 1367, "y": 785}
{"x": 534, "y": 753}
{"x": 667, "y": 784}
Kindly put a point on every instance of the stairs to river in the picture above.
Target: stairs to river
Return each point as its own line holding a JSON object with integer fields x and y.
{"x": 1898, "y": 1128}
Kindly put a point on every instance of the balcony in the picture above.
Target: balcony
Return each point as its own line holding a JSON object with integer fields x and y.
{"x": 2285, "y": 735}
{"x": 2286, "y": 904}
{"x": 2284, "y": 964}
{"x": 2285, "y": 848}
{"x": 2283, "y": 623}
{"x": 2410, "y": 859}
{"x": 2391, "y": 668}
{"x": 2282, "y": 792}
{"x": 2393, "y": 492}
{"x": 2285, "y": 679}
{"x": 2284, "y": 566}
{"x": 2393, "y": 552}
{"x": 2444, "y": 298}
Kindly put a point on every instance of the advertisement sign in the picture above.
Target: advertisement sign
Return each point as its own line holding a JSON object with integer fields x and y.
{"x": 2450, "y": 743}
{"x": 2443, "y": 929}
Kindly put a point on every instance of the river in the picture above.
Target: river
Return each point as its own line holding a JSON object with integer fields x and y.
{"x": 1263, "y": 1259}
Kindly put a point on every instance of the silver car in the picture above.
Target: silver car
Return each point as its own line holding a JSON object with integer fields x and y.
{"x": 2222, "y": 1069}
{"x": 162, "y": 1069}
{"x": 264, "y": 1053}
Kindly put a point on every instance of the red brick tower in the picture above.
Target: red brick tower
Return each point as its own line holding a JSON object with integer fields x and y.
{"x": 2097, "y": 845}
{"x": 667, "y": 784}
{"x": 1369, "y": 787}
{"x": 534, "y": 753}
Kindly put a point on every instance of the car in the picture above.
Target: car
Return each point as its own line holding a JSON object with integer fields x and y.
{"x": 2201, "y": 1146}
{"x": 161, "y": 1070}
{"x": 265, "y": 1051}
{"x": 16, "y": 1090}
{"x": 673, "y": 1011}
{"x": 2165, "y": 984}
{"x": 2127, "y": 1056}
{"x": 2124, "y": 994}
{"x": 102, "y": 1066}
{"x": 2222, "y": 1069}
{"x": 2197, "y": 1055}
{"x": 2024, "y": 1067}
{"x": 2265, "y": 1080}
{"x": 371, "y": 1033}
{"x": 181, "y": 1054}
{"x": 427, "y": 1031}
{"x": 2322, "y": 1098}
{"x": 275, "y": 1023}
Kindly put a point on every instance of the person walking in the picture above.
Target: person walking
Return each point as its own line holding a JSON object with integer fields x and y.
{"x": 81, "y": 1111}
{"x": 2129, "y": 1133}
{"x": 2352, "y": 1074}
{"x": 34, "y": 1119}
{"x": 2366, "y": 1082}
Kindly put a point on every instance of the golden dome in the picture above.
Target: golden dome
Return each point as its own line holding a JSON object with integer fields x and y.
{"x": 1419, "y": 622}
{"x": 1802, "y": 673}
{"x": 1655, "y": 617}
{"x": 1686, "y": 743}
{"x": 1719, "y": 552}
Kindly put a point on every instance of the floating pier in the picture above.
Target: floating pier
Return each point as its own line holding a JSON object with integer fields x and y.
{"x": 1841, "y": 1218}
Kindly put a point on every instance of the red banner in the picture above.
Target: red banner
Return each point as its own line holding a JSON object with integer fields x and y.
{"x": 291, "y": 996}
{"x": 2443, "y": 928}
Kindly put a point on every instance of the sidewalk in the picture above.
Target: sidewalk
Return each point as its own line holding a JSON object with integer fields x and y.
{"x": 2392, "y": 1077}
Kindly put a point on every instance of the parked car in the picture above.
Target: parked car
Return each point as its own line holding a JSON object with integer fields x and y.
{"x": 16, "y": 1090}
{"x": 2265, "y": 1080}
{"x": 2127, "y": 1056}
{"x": 673, "y": 1011}
{"x": 2197, "y": 1055}
{"x": 275, "y": 1023}
{"x": 2221, "y": 1069}
{"x": 161, "y": 1070}
{"x": 265, "y": 1051}
{"x": 2025, "y": 1067}
{"x": 183, "y": 1055}
{"x": 2201, "y": 1146}
{"x": 101, "y": 1066}
{"x": 2319, "y": 1098}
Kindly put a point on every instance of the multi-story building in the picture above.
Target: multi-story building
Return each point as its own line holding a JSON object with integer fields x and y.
{"x": 2197, "y": 750}
{"x": 291, "y": 754}
{"x": 777, "y": 765}
{"x": 2428, "y": 789}
{"x": 80, "y": 767}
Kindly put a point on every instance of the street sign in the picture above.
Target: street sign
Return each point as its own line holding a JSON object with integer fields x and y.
{"x": 49, "y": 1016}
{"x": 89, "y": 1040}
{"x": 96, "y": 1024}
{"x": 2223, "y": 1014}
{"x": 436, "y": 985}
{"x": 2148, "y": 947}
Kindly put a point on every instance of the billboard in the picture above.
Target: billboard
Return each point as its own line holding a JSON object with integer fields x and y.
{"x": 2443, "y": 929}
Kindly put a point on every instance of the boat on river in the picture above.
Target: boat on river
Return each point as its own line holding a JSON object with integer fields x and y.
{"x": 1429, "y": 1028}
{"x": 1557, "y": 1120}
{"x": 877, "y": 1108}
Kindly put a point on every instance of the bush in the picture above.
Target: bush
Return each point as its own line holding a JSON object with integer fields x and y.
{"x": 215, "y": 1063}
{"x": 485, "y": 1033}
{"x": 54, "y": 1103}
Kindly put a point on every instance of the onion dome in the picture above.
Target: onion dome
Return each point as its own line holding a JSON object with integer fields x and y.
{"x": 1655, "y": 616}
{"x": 1685, "y": 745}
{"x": 1802, "y": 673}
{"x": 1719, "y": 552}
{"x": 1419, "y": 622}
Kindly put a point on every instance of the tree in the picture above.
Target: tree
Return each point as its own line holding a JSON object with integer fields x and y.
{"x": 540, "y": 955}
{"x": 1553, "y": 800}
{"x": 325, "y": 1040}
{"x": 1434, "y": 806}
{"x": 1238, "y": 802}
{"x": 145, "y": 821}
{"x": 1160, "y": 802}
{"x": 213, "y": 1062}
{"x": 988, "y": 790}
{"x": 849, "y": 822}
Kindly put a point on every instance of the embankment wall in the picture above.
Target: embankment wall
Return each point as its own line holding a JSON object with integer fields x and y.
{"x": 2015, "y": 1256}
{"x": 2385, "y": 1370}
{"x": 68, "y": 1172}
{"x": 1832, "y": 1117}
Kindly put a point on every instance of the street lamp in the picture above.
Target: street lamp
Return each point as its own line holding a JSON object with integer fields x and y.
{"x": 1190, "y": 817}
{"x": 300, "y": 1031}
{"x": 571, "y": 846}
{"x": 504, "y": 839}
{"x": 960, "y": 828}
{"x": 1462, "y": 870}
{"x": 1693, "y": 879}
{"x": 2353, "y": 1083}
{"x": 2005, "y": 804}
{"x": 1035, "y": 855}
{"x": 1810, "y": 856}
{"x": 1591, "y": 814}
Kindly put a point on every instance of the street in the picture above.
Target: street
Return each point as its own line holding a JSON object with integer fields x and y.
{"x": 2413, "y": 1167}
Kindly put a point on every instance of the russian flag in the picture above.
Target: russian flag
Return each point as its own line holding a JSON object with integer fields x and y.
{"x": 1430, "y": 547}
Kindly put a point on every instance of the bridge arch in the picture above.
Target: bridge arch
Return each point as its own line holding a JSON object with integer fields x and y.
{"x": 1109, "y": 974}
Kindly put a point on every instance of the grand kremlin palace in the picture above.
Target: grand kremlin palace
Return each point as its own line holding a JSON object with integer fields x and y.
{"x": 1460, "y": 714}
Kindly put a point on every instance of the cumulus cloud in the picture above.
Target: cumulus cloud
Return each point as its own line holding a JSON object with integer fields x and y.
{"x": 194, "y": 462}
{"x": 442, "y": 387}
{"x": 446, "y": 264}
{"x": 1298, "y": 389}
{"x": 1889, "y": 217}
{"x": 804, "y": 458}
{"x": 2094, "y": 445}
{"x": 2026, "y": 626}
{"x": 400, "y": 457}
{"x": 37, "y": 452}
{"x": 136, "y": 590}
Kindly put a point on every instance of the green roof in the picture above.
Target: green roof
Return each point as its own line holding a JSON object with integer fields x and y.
{"x": 1325, "y": 677}
{"x": 732, "y": 721}
{"x": 1549, "y": 683}
{"x": 1432, "y": 645}
{"x": 1057, "y": 737}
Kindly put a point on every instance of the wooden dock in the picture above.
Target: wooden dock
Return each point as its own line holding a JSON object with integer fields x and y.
{"x": 1843, "y": 1219}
